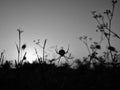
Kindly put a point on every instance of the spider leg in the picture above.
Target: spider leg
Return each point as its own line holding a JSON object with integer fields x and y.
{"x": 58, "y": 59}
{"x": 66, "y": 58}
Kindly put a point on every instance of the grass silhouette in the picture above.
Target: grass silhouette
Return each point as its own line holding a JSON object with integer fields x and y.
{"x": 44, "y": 76}
{"x": 43, "y": 47}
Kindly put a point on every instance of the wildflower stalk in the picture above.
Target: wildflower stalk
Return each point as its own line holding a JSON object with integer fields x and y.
{"x": 2, "y": 57}
{"x": 19, "y": 45}
{"x": 43, "y": 47}
{"x": 84, "y": 40}
{"x": 110, "y": 23}
{"x": 103, "y": 26}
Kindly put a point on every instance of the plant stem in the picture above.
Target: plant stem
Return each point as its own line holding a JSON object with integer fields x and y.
{"x": 44, "y": 48}
{"x": 19, "y": 47}
{"x": 110, "y": 23}
{"x": 87, "y": 48}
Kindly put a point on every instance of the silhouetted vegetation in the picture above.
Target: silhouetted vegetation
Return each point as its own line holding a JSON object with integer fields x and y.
{"x": 44, "y": 76}
{"x": 93, "y": 72}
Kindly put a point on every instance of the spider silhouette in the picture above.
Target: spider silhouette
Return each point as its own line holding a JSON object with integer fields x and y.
{"x": 62, "y": 53}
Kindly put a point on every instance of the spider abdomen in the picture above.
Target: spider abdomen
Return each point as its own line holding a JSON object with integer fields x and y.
{"x": 62, "y": 52}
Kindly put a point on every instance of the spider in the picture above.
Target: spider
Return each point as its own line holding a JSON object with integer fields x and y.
{"x": 62, "y": 53}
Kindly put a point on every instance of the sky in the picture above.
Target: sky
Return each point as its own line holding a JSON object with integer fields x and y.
{"x": 59, "y": 21}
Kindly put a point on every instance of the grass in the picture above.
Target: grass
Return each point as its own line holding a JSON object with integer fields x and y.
{"x": 48, "y": 76}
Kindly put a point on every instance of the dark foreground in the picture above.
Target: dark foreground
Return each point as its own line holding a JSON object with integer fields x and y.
{"x": 49, "y": 77}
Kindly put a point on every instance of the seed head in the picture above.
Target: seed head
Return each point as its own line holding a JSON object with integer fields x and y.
{"x": 24, "y": 46}
{"x": 98, "y": 47}
{"x": 111, "y": 48}
{"x": 114, "y": 1}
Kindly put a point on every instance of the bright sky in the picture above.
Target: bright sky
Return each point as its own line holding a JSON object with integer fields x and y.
{"x": 60, "y": 21}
